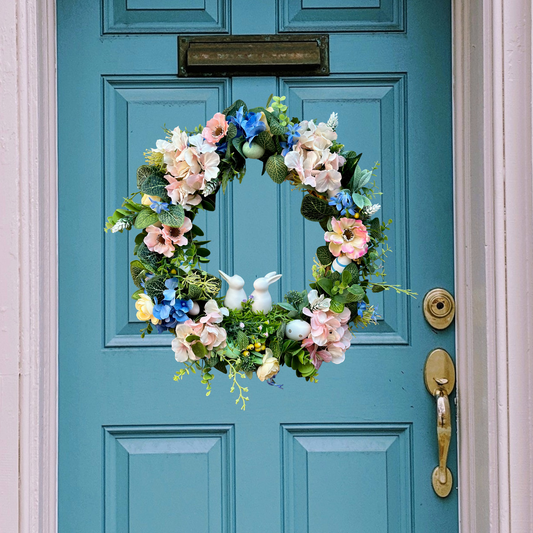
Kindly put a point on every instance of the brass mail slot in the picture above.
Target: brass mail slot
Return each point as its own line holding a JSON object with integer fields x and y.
{"x": 253, "y": 55}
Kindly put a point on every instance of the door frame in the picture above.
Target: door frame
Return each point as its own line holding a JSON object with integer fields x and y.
{"x": 493, "y": 149}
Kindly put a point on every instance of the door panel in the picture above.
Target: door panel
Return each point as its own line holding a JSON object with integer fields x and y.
{"x": 354, "y": 453}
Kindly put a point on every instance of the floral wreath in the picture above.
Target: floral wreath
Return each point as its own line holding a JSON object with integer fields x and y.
{"x": 236, "y": 335}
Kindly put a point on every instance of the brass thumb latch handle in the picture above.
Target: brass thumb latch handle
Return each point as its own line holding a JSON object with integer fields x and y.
{"x": 439, "y": 376}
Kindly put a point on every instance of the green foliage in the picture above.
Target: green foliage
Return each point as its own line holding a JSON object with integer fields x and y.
{"x": 149, "y": 259}
{"x": 276, "y": 168}
{"x": 146, "y": 218}
{"x": 138, "y": 273}
{"x": 155, "y": 186}
{"x": 174, "y": 217}
{"x": 359, "y": 179}
{"x": 324, "y": 255}
{"x": 316, "y": 209}
{"x": 264, "y": 139}
{"x": 231, "y": 111}
{"x": 155, "y": 287}
{"x": 231, "y": 133}
{"x": 242, "y": 340}
{"x": 144, "y": 172}
{"x": 194, "y": 292}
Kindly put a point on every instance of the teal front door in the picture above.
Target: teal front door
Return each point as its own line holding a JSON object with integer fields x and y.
{"x": 140, "y": 453}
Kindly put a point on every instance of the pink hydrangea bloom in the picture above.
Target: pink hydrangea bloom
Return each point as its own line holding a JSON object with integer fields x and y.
{"x": 182, "y": 192}
{"x": 215, "y": 128}
{"x": 322, "y": 322}
{"x": 183, "y": 349}
{"x": 213, "y": 313}
{"x": 349, "y": 237}
{"x": 213, "y": 336}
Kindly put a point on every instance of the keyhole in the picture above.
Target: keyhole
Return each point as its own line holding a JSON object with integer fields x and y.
{"x": 440, "y": 305}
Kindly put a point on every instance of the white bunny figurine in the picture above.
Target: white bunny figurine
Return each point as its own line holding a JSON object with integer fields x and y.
{"x": 235, "y": 295}
{"x": 262, "y": 301}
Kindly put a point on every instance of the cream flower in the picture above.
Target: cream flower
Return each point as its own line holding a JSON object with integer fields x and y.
{"x": 303, "y": 162}
{"x": 202, "y": 144}
{"x": 145, "y": 309}
{"x": 209, "y": 163}
{"x": 149, "y": 200}
{"x": 270, "y": 366}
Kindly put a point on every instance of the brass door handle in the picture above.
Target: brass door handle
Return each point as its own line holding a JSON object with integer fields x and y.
{"x": 439, "y": 376}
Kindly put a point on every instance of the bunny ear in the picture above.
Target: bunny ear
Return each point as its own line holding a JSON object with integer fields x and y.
{"x": 273, "y": 278}
{"x": 224, "y": 276}
{"x": 270, "y": 274}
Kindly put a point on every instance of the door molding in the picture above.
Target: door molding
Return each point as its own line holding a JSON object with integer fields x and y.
{"x": 492, "y": 53}
{"x": 494, "y": 262}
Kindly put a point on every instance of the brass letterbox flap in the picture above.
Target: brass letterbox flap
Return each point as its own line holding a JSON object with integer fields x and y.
{"x": 253, "y": 55}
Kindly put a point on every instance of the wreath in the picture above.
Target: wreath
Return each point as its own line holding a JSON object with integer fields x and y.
{"x": 239, "y": 335}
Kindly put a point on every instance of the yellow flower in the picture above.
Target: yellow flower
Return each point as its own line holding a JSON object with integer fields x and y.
{"x": 270, "y": 366}
{"x": 146, "y": 199}
{"x": 145, "y": 309}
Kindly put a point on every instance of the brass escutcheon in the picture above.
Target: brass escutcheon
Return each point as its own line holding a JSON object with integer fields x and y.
{"x": 439, "y": 308}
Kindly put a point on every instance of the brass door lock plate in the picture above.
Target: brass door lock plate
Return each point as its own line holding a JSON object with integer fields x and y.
{"x": 439, "y": 308}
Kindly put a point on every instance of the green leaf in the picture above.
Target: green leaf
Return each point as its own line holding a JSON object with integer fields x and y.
{"x": 221, "y": 367}
{"x": 378, "y": 288}
{"x": 192, "y": 338}
{"x": 195, "y": 292}
{"x": 336, "y": 306}
{"x": 237, "y": 143}
{"x": 137, "y": 294}
{"x": 174, "y": 217}
{"x": 357, "y": 291}
{"x": 326, "y": 284}
{"x": 346, "y": 277}
{"x": 208, "y": 204}
{"x": 359, "y": 200}
{"x": 275, "y": 127}
{"x": 264, "y": 139}
{"x": 359, "y": 179}
{"x": 155, "y": 287}
{"x": 231, "y": 111}
{"x": 197, "y": 231}
{"x": 149, "y": 259}
{"x": 276, "y": 168}
{"x": 324, "y": 255}
{"x": 287, "y": 306}
{"x": 199, "y": 349}
{"x": 203, "y": 252}
{"x": 242, "y": 340}
{"x": 315, "y": 209}
{"x": 138, "y": 272}
{"x": 144, "y": 172}
{"x": 154, "y": 186}
{"x": 231, "y": 133}
{"x": 353, "y": 269}
{"x": 280, "y": 334}
{"x": 146, "y": 218}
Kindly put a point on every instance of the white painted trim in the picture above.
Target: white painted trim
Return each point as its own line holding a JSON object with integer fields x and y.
{"x": 28, "y": 280}
{"x": 494, "y": 262}
{"x": 494, "y": 265}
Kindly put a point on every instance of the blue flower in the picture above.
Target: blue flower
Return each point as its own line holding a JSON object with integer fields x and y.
{"x": 171, "y": 313}
{"x": 253, "y": 126}
{"x": 170, "y": 294}
{"x": 249, "y": 124}
{"x": 158, "y": 206}
{"x": 361, "y": 308}
{"x": 375, "y": 315}
{"x": 344, "y": 203}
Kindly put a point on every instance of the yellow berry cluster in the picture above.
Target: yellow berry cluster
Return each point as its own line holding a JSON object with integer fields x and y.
{"x": 257, "y": 346}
